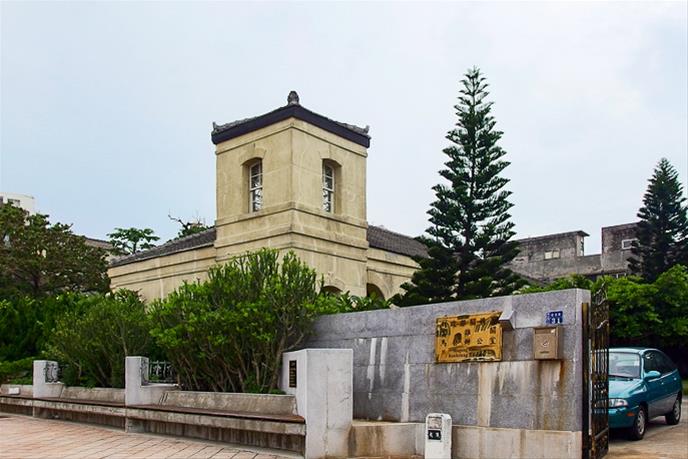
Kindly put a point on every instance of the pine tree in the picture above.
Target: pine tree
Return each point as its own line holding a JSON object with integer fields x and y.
{"x": 434, "y": 281}
{"x": 470, "y": 216}
{"x": 662, "y": 232}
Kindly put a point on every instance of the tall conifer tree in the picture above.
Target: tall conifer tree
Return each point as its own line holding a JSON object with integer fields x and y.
{"x": 663, "y": 228}
{"x": 470, "y": 217}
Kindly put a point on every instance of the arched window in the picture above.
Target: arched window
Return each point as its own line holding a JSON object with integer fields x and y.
{"x": 328, "y": 187}
{"x": 373, "y": 290}
{"x": 331, "y": 289}
{"x": 255, "y": 186}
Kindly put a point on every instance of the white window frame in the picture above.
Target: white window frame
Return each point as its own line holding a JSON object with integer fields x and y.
{"x": 255, "y": 191}
{"x": 328, "y": 192}
{"x": 627, "y": 244}
{"x": 552, "y": 254}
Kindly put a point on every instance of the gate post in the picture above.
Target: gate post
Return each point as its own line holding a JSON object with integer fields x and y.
{"x": 322, "y": 381}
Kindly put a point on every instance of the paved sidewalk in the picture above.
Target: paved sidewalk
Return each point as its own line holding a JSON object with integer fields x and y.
{"x": 25, "y": 437}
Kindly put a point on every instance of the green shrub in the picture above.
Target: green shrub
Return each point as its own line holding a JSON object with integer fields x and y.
{"x": 345, "y": 302}
{"x": 17, "y": 371}
{"x": 229, "y": 333}
{"x": 26, "y": 322}
{"x": 94, "y": 338}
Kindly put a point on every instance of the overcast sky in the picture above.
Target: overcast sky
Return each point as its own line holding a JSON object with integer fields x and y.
{"x": 107, "y": 107}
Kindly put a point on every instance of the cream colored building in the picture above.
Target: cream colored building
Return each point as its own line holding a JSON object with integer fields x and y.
{"x": 290, "y": 179}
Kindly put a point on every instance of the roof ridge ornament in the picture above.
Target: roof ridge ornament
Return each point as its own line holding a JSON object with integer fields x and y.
{"x": 293, "y": 98}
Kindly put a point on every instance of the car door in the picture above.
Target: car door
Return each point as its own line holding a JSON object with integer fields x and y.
{"x": 655, "y": 392}
{"x": 671, "y": 382}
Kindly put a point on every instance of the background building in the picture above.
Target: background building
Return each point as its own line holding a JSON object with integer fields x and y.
{"x": 545, "y": 258}
{"x": 26, "y": 202}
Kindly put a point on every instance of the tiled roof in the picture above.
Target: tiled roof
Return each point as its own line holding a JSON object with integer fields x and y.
{"x": 223, "y": 132}
{"x": 195, "y": 241}
{"x": 378, "y": 238}
{"x": 382, "y": 238}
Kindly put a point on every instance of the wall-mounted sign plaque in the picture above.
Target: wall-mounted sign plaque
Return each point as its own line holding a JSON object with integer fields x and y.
{"x": 292, "y": 373}
{"x": 554, "y": 317}
{"x": 469, "y": 338}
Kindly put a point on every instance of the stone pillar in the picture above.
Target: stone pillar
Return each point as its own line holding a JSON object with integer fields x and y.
{"x": 137, "y": 390}
{"x": 44, "y": 371}
{"x": 322, "y": 381}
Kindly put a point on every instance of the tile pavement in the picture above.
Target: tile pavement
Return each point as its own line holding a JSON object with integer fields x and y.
{"x": 27, "y": 438}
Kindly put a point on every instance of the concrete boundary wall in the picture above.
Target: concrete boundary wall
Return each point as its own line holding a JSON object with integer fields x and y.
{"x": 396, "y": 377}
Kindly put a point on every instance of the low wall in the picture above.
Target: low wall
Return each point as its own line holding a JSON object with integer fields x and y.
{"x": 25, "y": 390}
{"x": 396, "y": 377}
{"x": 247, "y": 403}
{"x": 102, "y": 394}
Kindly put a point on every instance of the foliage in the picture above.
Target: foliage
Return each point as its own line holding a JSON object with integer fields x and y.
{"x": 17, "y": 371}
{"x": 26, "y": 323}
{"x": 641, "y": 313}
{"x": 127, "y": 241}
{"x": 434, "y": 281}
{"x": 345, "y": 302}
{"x": 189, "y": 228}
{"x": 94, "y": 337}
{"x": 38, "y": 258}
{"x": 470, "y": 217}
{"x": 663, "y": 228}
{"x": 573, "y": 281}
{"x": 229, "y": 333}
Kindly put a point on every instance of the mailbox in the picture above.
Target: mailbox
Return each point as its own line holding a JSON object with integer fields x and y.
{"x": 438, "y": 433}
{"x": 547, "y": 343}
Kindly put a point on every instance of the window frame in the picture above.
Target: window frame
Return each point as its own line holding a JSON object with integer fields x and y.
{"x": 630, "y": 246}
{"x": 254, "y": 205}
{"x": 554, "y": 254}
{"x": 328, "y": 193}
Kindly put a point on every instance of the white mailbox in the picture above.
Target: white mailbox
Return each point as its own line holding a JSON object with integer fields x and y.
{"x": 438, "y": 433}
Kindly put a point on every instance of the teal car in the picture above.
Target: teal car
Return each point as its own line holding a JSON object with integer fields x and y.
{"x": 643, "y": 384}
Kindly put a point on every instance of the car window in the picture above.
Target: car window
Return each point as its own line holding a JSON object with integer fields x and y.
{"x": 624, "y": 364}
{"x": 665, "y": 363}
{"x": 650, "y": 362}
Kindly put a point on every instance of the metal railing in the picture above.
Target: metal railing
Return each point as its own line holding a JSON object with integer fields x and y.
{"x": 160, "y": 371}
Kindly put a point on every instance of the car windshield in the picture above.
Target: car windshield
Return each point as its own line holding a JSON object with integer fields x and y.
{"x": 624, "y": 364}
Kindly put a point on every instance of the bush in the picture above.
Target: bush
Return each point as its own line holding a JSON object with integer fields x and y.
{"x": 26, "y": 323}
{"x": 646, "y": 314}
{"x": 94, "y": 338}
{"x": 344, "y": 302}
{"x": 17, "y": 372}
{"x": 229, "y": 333}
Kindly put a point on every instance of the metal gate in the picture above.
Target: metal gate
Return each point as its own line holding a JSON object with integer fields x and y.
{"x": 595, "y": 376}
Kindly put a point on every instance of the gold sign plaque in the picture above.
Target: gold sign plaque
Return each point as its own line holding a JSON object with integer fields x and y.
{"x": 469, "y": 338}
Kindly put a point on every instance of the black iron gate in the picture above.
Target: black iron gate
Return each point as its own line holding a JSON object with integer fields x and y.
{"x": 595, "y": 376}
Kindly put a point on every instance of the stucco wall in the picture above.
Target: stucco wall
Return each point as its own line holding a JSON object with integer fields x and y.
{"x": 292, "y": 153}
{"x": 157, "y": 277}
{"x": 396, "y": 377}
{"x": 614, "y": 258}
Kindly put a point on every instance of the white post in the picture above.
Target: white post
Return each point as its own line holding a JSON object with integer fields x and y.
{"x": 322, "y": 381}
{"x": 137, "y": 390}
{"x": 44, "y": 371}
{"x": 438, "y": 436}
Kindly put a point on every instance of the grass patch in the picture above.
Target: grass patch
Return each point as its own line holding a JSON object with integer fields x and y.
{"x": 685, "y": 386}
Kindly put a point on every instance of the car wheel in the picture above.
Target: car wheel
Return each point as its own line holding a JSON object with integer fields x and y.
{"x": 637, "y": 430}
{"x": 674, "y": 415}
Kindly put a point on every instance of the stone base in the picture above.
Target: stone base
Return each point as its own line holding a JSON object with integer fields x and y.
{"x": 407, "y": 440}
